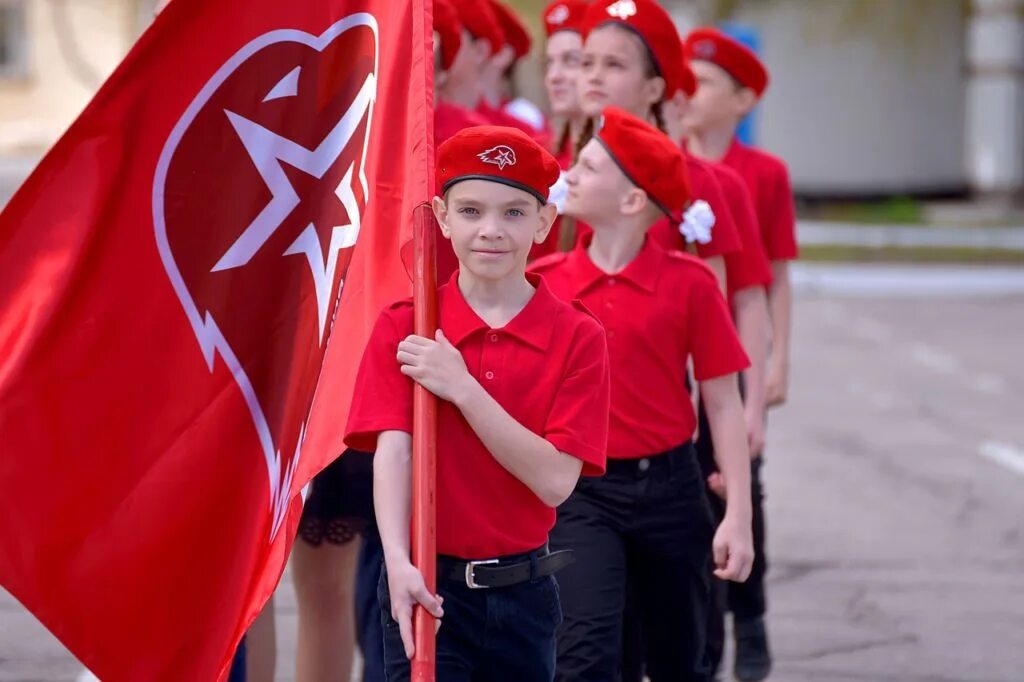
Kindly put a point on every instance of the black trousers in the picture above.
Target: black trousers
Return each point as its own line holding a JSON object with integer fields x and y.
{"x": 745, "y": 600}
{"x": 502, "y": 634}
{"x": 645, "y": 527}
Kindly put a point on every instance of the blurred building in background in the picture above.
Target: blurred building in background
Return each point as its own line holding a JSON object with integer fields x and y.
{"x": 869, "y": 97}
{"x": 54, "y": 54}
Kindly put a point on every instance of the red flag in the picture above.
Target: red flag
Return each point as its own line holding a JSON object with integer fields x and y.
{"x": 174, "y": 361}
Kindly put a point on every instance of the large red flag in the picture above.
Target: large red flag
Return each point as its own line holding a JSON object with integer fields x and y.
{"x": 175, "y": 364}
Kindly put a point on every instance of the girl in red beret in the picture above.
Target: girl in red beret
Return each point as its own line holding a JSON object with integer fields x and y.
{"x": 632, "y": 55}
{"x": 646, "y": 527}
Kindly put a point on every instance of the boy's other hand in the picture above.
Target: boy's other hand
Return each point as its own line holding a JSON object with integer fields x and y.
{"x": 733, "y": 550}
{"x": 777, "y": 386}
{"x": 754, "y": 418}
{"x": 436, "y": 365}
{"x": 407, "y": 589}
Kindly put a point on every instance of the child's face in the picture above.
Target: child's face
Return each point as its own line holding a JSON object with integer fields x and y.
{"x": 492, "y": 226}
{"x": 561, "y": 71}
{"x": 465, "y": 69}
{"x": 598, "y": 189}
{"x": 615, "y": 72}
{"x": 717, "y": 101}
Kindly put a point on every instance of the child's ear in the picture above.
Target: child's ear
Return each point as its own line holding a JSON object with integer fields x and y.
{"x": 441, "y": 213}
{"x": 634, "y": 202}
{"x": 654, "y": 89}
{"x": 746, "y": 100}
{"x": 547, "y": 215}
{"x": 481, "y": 49}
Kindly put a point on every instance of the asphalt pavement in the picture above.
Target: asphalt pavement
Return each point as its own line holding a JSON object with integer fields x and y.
{"x": 895, "y": 483}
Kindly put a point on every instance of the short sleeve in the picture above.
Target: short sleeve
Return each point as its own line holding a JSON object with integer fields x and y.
{"x": 578, "y": 421}
{"x": 716, "y": 348}
{"x": 382, "y": 398}
{"x": 748, "y": 267}
{"x": 724, "y": 236}
{"x": 779, "y": 216}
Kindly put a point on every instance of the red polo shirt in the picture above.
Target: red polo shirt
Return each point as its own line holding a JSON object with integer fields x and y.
{"x": 746, "y": 267}
{"x": 662, "y": 310}
{"x": 767, "y": 178}
{"x": 704, "y": 185}
{"x": 548, "y": 368}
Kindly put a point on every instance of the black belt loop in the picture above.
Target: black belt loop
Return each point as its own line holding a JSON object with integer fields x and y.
{"x": 533, "y": 567}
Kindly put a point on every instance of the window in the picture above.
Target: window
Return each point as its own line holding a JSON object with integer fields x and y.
{"x": 13, "y": 43}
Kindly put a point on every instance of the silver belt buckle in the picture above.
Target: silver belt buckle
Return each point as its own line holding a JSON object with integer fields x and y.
{"x": 471, "y": 579}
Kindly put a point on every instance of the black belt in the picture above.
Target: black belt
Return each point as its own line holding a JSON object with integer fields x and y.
{"x": 504, "y": 572}
{"x": 642, "y": 466}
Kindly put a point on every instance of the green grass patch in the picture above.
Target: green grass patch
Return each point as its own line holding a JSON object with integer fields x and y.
{"x": 831, "y": 253}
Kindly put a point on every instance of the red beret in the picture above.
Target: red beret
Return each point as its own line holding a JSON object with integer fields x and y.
{"x": 564, "y": 15}
{"x": 446, "y": 23}
{"x": 654, "y": 26}
{"x": 498, "y": 154}
{"x": 711, "y": 45}
{"x": 478, "y": 18}
{"x": 648, "y": 158}
{"x": 515, "y": 34}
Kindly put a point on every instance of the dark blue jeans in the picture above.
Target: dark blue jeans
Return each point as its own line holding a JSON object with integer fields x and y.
{"x": 368, "y": 626}
{"x": 504, "y": 634}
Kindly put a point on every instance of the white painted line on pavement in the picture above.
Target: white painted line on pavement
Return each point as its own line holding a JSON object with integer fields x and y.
{"x": 935, "y": 359}
{"x": 1003, "y": 454}
{"x": 986, "y": 382}
{"x": 887, "y": 281}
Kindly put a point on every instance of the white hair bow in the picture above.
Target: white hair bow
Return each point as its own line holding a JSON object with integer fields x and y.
{"x": 698, "y": 222}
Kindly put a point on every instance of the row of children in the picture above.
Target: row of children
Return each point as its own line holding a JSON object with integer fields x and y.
{"x": 587, "y": 273}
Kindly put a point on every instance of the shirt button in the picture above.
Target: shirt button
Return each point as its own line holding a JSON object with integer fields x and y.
{"x": 489, "y": 375}
{"x": 494, "y": 337}
{"x": 611, "y": 281}
{"x": 644, "y": 464}
{"x": 611, "y": 335}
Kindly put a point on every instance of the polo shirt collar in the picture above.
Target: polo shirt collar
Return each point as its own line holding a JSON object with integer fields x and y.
{"x": 533, "y": 325}
{"x": 642, "y": 272}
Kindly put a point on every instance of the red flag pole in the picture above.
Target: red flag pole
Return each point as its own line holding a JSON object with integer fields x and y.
{"x": 424, "y": 451}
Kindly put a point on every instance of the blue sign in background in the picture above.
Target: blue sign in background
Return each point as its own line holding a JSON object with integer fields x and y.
{"x": 749, "y": 36}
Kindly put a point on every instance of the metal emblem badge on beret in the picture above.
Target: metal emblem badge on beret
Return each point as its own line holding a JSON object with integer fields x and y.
{"x": 623, "y": 9}
{"x": 705, "y": 49}
{"x": 500, "y": 156}
{"x": 559, "y": 15}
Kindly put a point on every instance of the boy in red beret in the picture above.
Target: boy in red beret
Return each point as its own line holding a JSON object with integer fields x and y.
{"x": 523, "y": 383}
{"x": 731, "y": 81}
{"x": 645, "y": 527}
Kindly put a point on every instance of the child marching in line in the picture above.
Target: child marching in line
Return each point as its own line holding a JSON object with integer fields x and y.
{"x": 523, "y": 383}
{"x": 647, "y": 526}
{"x": 631, "y": 59}
{"x": 731, "y": 81}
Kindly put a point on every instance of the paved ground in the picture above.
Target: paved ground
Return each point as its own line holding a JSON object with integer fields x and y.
{"x": 896, "y": 493}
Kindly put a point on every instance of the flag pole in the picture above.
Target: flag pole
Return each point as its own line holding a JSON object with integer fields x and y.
{"x": 424, "y": 451}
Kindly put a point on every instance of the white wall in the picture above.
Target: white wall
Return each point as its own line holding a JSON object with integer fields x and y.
{"x": 868, "y": 96}
{"x": 73, "y": 45}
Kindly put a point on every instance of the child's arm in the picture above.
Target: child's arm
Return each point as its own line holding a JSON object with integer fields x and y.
{"x": 717, "y": 265}
{"x": 750, "y": 306}
{"x": 392, "y": 496}
{"x": 440, "y": 368}
{"x": 780, "y": 298}
{"x": 733, "y": 546}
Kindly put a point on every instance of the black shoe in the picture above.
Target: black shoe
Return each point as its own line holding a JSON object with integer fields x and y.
{"x": 753, "y": 660}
